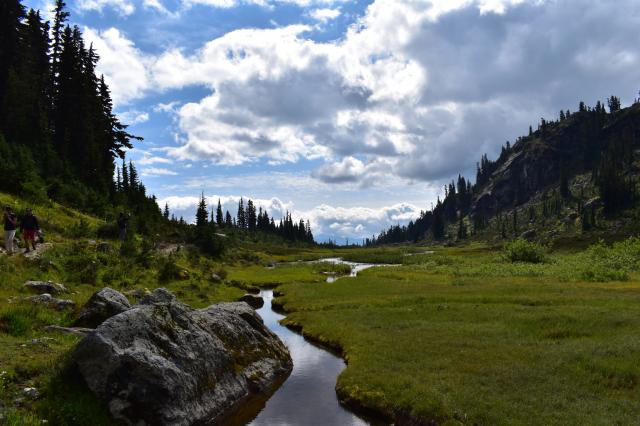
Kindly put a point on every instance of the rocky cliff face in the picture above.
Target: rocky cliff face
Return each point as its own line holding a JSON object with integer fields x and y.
{"x": 165, "y": 363}
{"x": 536, "y": 163}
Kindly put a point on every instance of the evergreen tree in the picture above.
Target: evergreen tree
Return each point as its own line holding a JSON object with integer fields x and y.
{"x": 219, "y": 215}
{"x": 165, "y": 212}
{"x": 202, "y": 213}
{"x": 241, "y": 221}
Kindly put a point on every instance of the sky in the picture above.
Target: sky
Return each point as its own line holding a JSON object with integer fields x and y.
{"x": 352, "y": 114}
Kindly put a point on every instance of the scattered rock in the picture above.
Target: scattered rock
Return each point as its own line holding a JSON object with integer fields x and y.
{"x": 184, "y": 274}
{"x": 256, "y": 302}
{"x": 31, "y": 393}
{"x": 529, "y": 235}
{"x": 48, "y": 300}
{"x": 78, "y": 331}
{"x": 45, "y": 287}
{"x": 40, "y": 248}
{"x": 215, "y": 278}
{"x": 102, "y": 305}
{"x": 165, "y": 363}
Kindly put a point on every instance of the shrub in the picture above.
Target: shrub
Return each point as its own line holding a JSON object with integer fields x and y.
{"x": 521, "y": 250}
{"x": 611, "y": 263}
{"x": 168, "y": 269}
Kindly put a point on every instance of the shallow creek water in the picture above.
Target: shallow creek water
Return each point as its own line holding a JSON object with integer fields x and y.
{"x": 308, "y": 396}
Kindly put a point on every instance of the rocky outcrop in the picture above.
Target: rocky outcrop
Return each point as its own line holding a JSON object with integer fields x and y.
{"x": 101, "y": 306}
{"x": 165, "y": 363}
{"x": 536, "y": 163}
{"x": 45, "y": 287}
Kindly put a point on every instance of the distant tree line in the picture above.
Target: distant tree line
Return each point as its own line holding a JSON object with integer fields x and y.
{"x": 247, "y": 221}
{"x": 609, "y": 160}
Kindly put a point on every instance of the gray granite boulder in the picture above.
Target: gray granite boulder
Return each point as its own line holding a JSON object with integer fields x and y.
{"x": 165, "y": 363}
{"x": 102, "y": 305}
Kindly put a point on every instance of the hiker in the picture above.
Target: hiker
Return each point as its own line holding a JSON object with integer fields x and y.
{"x": 10, "y": 222}
{"x": 30, "y": 228}
{"x": 123, "y": 222}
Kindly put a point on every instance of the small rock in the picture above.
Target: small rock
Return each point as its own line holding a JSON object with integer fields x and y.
{"x": 30, "y": 393}
{"x": 215, "y": 278}
{"x": 183, "y": 274}
{"x": 256, "y": 302}
{"x": 78, "y": 331}
{"x": 102, "y": 305}
{"x": 48, "y": 300}
{"x": 45, "y": 287}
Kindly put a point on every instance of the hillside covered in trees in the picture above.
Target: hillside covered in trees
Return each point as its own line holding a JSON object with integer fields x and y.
{"x": 582, "y": 169}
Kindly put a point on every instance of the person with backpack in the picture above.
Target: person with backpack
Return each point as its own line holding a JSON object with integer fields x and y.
{"x": 10, "y": 223}
{"x": 30, "y": 227}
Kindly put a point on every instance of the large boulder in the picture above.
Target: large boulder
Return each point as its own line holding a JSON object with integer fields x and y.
{"x": 101, "y": 306}
{"x": 165, "y": 363}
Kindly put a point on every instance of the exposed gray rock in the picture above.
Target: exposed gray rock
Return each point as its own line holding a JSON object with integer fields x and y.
{"x": 78, "y": 331}
{"x": 50, "y": 301}
{"x": 45, "y": 287}
{"x": 165, "y": 363}
{"x": 137, "y": 293}
{"x": 159, "y": 295}
{"x": 252, "y": 300}
{"x": 215, "y": 278}
{"x": 102, "y": 305}
{"x": 529, "y": 235}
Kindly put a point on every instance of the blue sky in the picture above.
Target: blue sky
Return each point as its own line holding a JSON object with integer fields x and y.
{"x": 350, "y": 113}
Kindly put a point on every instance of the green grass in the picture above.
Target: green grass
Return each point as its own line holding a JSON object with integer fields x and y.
{"x": 463, "y": 336}
{"x": 32, "y": 357}
{"x": 460, "y": 335}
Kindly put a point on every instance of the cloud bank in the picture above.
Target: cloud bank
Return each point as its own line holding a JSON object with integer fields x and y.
{"x": 417, "y": 90}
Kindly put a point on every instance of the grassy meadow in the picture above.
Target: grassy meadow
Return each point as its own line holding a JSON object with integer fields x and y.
{"x": 456, "y": 335}
{"x": 465, "y": 336}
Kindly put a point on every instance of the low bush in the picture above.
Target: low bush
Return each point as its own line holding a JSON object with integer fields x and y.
{"x": 168, "y": 269}
{"x": 611, "y": 263}
{"x": 521, "y": 250}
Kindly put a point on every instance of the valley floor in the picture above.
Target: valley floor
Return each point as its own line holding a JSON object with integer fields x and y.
{"x": 453, "y": 335}
{"x": 463, "y": 336}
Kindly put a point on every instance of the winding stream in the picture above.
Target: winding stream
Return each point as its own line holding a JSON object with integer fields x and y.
{"x": 308, "y": 395}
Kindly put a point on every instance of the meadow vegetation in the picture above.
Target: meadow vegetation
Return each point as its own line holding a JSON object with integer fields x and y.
{"x": 469, "y": 336}
{"x": 472, "y": 334}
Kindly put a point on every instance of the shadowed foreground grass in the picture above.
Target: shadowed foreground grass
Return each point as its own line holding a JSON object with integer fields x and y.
{"x": 463, "y": 336}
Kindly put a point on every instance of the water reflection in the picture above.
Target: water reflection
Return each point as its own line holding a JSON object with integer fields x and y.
{"x": 308, "y": 396}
